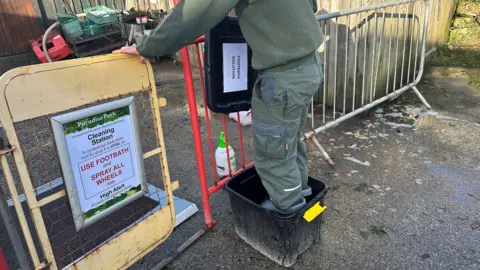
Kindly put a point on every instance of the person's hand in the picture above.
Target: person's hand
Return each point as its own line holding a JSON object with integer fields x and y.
{"x": 131, "y": 50}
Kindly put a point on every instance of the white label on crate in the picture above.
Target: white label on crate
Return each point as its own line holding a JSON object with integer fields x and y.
{"x": 235, "y": 67}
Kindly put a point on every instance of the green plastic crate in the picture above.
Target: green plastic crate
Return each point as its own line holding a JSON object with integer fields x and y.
{"x": 70, "y": 25}
{"x": 101, "y": 14}
{"x": 92, "y": 29}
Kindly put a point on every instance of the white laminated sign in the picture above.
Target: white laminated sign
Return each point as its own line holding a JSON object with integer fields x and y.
{"x": 235, "y": 67}
{"x": 101, "y": 159}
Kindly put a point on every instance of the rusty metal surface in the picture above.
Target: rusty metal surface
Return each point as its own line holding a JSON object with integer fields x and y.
{"x": 76, "y": 82}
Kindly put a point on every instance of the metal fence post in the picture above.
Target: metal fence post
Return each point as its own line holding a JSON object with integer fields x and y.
{"x": 11, "y": 227}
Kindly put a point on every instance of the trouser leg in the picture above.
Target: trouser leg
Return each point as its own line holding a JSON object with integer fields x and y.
{"x": 275, "y": 146}
{"x": 279, "y": 106}
{"x": 302, "y": 161}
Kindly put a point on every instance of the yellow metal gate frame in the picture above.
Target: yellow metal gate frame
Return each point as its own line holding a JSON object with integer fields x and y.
{"x": 41, "y": 90}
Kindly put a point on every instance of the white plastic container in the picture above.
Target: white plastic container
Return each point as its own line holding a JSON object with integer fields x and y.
{"x": 245, "y": 117}
{"x": 221, "y": 159}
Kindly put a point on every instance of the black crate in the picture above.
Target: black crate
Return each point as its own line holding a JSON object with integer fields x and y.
{"x": 220, "y": 100}
{"x": 281, "y": 238}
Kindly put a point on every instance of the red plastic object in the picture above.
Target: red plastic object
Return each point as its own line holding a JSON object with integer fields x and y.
{"x": 56, "y": 46}
{"x": 3, "y": 263}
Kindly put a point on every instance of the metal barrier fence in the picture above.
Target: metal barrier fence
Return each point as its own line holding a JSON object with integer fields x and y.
{"x": 30, "y": 97}
{"x": 382, "y": 56}
{"x": 383, "y": 49}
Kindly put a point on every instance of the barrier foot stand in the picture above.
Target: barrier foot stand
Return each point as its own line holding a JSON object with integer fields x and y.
{"x": 179, "y": 250}
{"x": 420, "y": 96}
{"x": 322, "y": 150}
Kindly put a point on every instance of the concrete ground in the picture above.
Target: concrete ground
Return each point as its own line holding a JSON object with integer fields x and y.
{"x": 415, "y": 206}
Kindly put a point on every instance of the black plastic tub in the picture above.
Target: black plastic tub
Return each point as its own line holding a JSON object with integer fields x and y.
{"x": 219, "y": 98}
{"x": 281, "y": 238}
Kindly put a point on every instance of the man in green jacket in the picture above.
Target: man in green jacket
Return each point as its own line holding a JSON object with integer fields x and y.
{"x": 284, "y": 37}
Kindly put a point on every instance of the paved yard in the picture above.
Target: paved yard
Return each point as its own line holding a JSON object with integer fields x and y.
{"x": 415, "y": 206}
{"x": 412, "y": 203}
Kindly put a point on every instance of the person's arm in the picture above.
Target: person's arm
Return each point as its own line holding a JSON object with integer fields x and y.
{"x": 187, "y": 21}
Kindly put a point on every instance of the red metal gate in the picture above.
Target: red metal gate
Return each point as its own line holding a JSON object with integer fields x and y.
{"x": 207, "y": 189}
